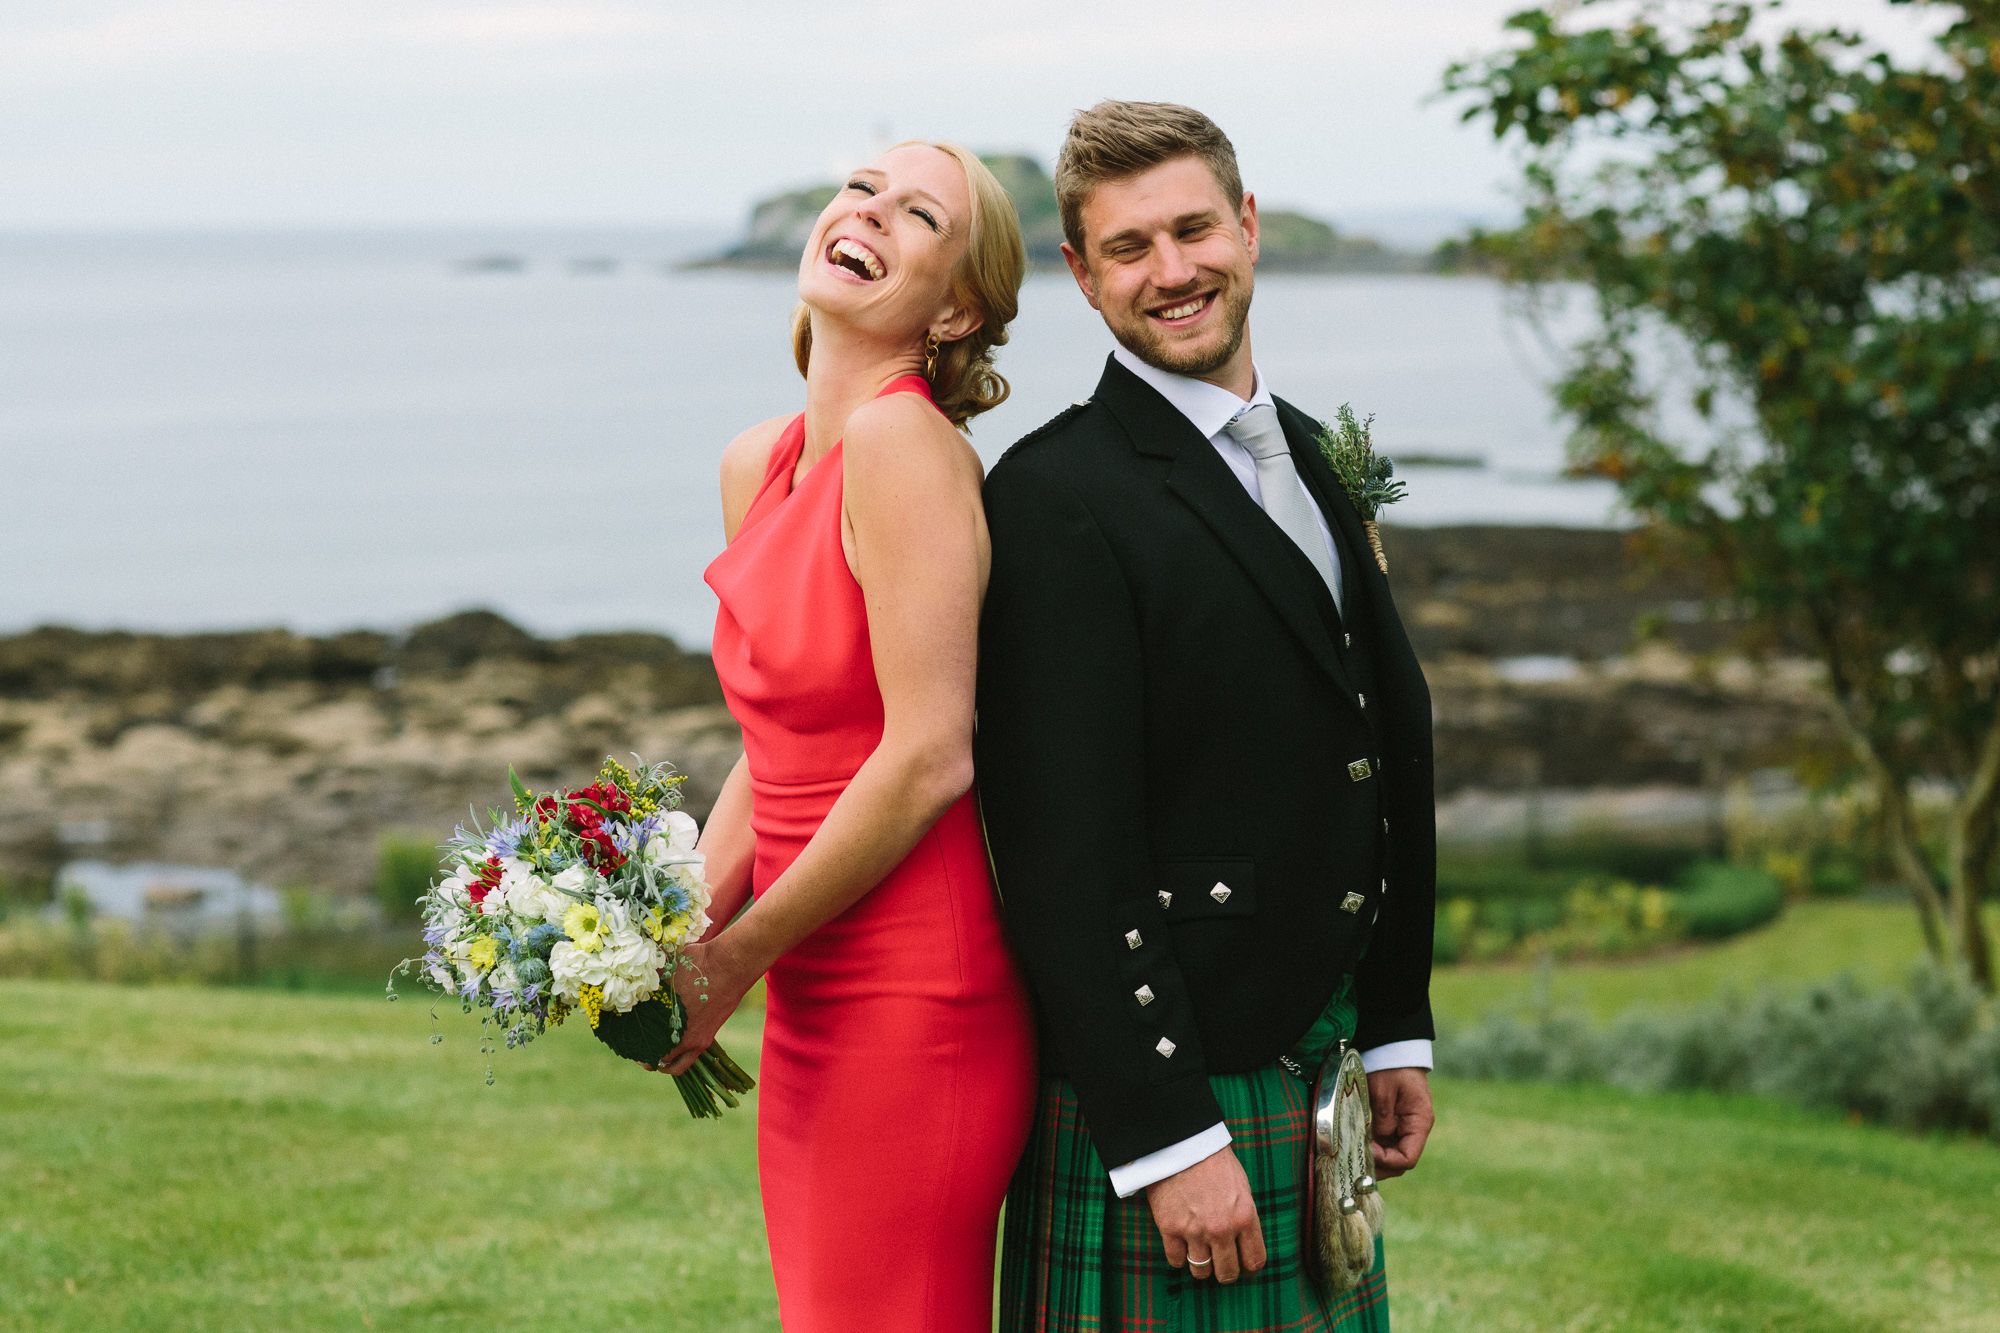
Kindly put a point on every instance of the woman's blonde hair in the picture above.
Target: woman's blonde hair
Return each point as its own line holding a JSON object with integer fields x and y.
{"x": 986, "y": 280}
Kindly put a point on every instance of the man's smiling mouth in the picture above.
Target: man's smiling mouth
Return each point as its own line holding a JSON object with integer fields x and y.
{"x": 1194, "y": 305}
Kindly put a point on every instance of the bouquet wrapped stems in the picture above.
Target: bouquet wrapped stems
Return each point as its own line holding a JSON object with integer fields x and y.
{"x": 648, "y": 1030}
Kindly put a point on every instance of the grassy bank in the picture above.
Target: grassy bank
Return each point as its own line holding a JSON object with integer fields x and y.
{"x": 178, "y": 1157}
{"x": 1877, "y": 941}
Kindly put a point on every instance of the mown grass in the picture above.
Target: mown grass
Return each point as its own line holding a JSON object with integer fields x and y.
{"x": 1877, "y": 941}
{"x": 173, "y": 1157}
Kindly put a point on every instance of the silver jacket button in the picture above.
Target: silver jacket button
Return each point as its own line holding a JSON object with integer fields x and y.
{"x": 1352, "y": 903}
{"x": 1144, "y": 995}
{"x": 1132, "y": 939}
{"x": 1220, "y": 892}
{"x": 1166, "y": 900}
{"x": 1166, "y": 1048}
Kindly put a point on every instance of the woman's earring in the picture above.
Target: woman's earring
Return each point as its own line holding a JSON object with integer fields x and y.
{"x": 930, "y": 354}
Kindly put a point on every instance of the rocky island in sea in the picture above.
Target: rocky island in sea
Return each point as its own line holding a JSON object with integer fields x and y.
{"x": 1292, "y": 242}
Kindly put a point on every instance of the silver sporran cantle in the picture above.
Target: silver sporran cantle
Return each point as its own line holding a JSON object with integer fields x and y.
{"x": 1343, "y": 1206}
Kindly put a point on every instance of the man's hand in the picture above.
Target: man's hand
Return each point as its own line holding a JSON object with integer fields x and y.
{"x": 1403, "y": 1119}
{"x": 1207, "y": 1219}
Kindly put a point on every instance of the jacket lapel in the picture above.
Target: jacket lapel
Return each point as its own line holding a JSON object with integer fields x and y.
{"x": 1199, "y": 478}
{"x": 1367, "y": 587}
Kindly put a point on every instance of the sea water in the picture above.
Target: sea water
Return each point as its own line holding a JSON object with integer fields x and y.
{"x": 338, "y": 429}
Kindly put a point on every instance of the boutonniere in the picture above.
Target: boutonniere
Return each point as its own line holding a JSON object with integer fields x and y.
{"x": 1366, "y": 476}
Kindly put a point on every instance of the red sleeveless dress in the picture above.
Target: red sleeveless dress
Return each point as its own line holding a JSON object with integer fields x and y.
{"x": 897, "y": 1076}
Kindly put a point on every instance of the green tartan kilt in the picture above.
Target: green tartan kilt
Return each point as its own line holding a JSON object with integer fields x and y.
{"x": 1078, "y": 1259}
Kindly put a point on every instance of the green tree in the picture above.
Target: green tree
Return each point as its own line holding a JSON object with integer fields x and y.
{"x": 1813, "y": 228}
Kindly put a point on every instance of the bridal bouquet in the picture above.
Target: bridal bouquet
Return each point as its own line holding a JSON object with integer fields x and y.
{"x": 579, "y": 900}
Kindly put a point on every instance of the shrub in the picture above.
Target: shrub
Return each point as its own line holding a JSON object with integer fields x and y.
{"x": 1639, "y": 860}
{"x": 404, "y": 868}
{"x": 1717, "y": 900}
{"x": 1926, "y": 1057}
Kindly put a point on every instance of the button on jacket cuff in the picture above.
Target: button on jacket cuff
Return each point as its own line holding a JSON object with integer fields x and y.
{"x": 1415, "y": 1054}
{"x": 1154, "y": 1167}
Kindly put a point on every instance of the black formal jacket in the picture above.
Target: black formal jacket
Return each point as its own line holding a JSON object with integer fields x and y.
{"x": 1204, "y": 792}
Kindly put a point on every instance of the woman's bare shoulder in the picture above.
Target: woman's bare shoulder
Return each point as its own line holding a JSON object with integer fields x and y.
{"x": 904, "y": 430}
{"x": 744, "y": 461}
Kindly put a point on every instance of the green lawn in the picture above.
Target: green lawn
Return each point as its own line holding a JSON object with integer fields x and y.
{"x": 184, "y": 1158}
{"x": 1811, "y": 941}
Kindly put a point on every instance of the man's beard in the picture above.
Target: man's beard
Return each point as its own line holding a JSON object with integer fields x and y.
{"x": 1146, "y": 343}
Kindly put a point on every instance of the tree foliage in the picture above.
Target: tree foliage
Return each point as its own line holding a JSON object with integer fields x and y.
{"x": 1817, "y": 227}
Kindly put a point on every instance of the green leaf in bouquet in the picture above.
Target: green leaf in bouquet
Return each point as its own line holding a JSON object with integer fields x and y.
{"x": 524, "y": 800}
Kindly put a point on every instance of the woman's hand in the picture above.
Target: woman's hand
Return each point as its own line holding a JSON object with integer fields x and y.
{"x": 711, "y": 982}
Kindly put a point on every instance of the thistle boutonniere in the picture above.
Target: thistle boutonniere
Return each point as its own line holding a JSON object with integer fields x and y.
{"x": 1365, "y": 475}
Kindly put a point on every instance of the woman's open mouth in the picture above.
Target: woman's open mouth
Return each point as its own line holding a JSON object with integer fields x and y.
{"x": 853, "y": 257}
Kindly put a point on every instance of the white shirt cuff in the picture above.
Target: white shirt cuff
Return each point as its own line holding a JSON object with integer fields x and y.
{"x": 1398, "y": 1055}
{"x": 1173, "y": 1159}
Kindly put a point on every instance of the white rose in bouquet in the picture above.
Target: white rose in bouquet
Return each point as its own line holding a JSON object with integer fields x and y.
{"x": 531, "y": 897}
{"x": 680, "y": 829}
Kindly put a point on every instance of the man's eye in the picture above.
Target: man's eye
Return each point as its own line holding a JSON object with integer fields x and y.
{"x": 862, "y": 186}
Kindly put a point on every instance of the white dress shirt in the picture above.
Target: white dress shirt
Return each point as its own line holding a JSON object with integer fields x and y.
{"x": 1211, "y": 409}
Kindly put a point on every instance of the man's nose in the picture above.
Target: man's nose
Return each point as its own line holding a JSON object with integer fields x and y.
{"x": 1171, "y": 266}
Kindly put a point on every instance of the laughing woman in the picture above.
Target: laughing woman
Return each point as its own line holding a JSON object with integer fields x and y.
{"x": 898, "y": 1058}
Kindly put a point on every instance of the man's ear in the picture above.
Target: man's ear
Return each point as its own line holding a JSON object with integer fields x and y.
{"x": 1081, "y": 272}
{"x": 1247, "y": 219}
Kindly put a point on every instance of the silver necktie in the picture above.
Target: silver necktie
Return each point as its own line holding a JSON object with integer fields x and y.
{"x": 1258, "y": 431}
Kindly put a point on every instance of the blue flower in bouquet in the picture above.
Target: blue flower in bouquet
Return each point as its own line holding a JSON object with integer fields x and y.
{"x": 540, "y": 939}
{"x": 507, "y": 839}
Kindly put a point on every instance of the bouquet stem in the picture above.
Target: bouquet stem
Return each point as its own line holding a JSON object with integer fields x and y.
{"x": 652, "y": 1028}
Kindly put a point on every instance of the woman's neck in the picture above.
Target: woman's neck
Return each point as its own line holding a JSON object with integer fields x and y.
{"x": 844, "y": 372}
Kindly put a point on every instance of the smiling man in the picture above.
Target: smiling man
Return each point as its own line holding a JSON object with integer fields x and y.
{"x": 1204, "y": 752}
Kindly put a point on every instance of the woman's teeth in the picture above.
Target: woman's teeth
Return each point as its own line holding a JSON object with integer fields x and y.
{"x": 1183, "y": 311}
{"x": 869, "y": 266}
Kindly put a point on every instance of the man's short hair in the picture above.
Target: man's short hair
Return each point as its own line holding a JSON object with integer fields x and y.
{"x": 1117, "y": 140}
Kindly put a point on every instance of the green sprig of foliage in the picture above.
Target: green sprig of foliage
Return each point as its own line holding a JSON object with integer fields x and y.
{"x": 1348, "y": 446}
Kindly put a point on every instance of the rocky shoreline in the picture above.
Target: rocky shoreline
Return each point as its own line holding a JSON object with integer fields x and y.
{"x": 288, "y": 756}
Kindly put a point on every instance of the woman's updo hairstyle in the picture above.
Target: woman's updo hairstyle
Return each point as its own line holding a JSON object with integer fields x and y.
{"x": 986, "y": 280}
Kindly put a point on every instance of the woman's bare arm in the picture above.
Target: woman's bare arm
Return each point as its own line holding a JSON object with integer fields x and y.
{"x": 912, "y": 504}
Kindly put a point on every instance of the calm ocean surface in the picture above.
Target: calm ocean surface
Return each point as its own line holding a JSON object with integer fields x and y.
{"x": 336, "y": 430}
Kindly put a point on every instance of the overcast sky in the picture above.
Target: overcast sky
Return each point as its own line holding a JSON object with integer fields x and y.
{"x": 303, "y": 112}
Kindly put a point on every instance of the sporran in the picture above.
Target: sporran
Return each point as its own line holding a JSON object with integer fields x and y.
{"x": 1343, "y": 1213}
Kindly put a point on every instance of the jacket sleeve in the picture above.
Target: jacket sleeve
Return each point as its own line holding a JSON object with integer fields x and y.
{"x": 1061, "y": 763}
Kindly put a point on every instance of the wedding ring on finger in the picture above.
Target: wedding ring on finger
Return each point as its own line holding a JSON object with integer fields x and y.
{"x": 1200, "y": 1263}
